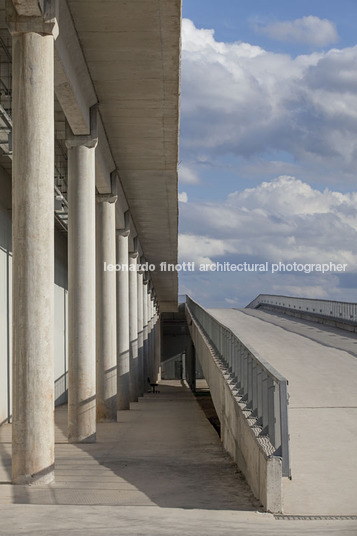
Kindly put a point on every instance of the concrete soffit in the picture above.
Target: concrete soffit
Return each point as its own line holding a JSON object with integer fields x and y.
{"x": 76, "y": 94}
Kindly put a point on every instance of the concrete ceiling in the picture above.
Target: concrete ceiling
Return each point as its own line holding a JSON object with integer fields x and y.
{"x": 132, "y": 49}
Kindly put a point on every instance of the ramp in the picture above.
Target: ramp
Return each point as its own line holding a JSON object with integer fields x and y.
{"x": 320, "y": 365}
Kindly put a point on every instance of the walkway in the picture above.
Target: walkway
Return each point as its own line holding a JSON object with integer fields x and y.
{"x": 161, "y": 470}
{"x": 320, "y": 364}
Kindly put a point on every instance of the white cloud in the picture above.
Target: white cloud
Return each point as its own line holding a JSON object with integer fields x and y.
{"x": 187, "y": 175}
{"x": 200, "y": 249}
{"x": 309, "y": 30}
{"x": 281, "y": 220}
{"x": 241, "y": 100}
{"x": 183, "y": 197}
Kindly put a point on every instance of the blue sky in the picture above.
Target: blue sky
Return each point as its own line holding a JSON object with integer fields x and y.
{"x": 233, "y": 20}
{"x": 268, "y": 147}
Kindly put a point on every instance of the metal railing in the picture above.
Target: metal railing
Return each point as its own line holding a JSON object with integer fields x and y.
{"x": 335, "y": 310}
{"x": 262, "y": 388}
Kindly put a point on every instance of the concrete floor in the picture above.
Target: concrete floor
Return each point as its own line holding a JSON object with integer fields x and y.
{"x": 161, "y": 470}
{"x": 321, "y": 367}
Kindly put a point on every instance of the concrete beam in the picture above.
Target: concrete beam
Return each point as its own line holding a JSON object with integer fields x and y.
{"x": 73, "y": 86}
{"x": 76, "y": 94}
{"x": 27, "y": 8}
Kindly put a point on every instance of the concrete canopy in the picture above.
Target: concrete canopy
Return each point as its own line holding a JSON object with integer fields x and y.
{"x": 132, "y": 49}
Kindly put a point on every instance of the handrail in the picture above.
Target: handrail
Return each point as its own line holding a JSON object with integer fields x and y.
{"x": 335, "y": 310}
{"x": 262, "y": 388}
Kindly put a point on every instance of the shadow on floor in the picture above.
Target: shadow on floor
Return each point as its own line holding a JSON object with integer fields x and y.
{"x": 162, "y": 452}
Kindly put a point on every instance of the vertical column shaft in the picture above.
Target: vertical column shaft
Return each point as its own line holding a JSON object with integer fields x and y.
{"x": 123, "y": 358}
{"x": 106, "y": 321}
{"x": 133, "y": 326}
{"x": 81, "y": 294}
{"x": 33, "y": 258}
{"x": 145, "y": 333}
{"x": 141, "y": 377}
{"x": 151, "y": 339}
{"x": 158, "y": 346}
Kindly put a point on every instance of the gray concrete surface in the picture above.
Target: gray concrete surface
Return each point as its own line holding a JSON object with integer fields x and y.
{"x": 254, "y": 457}
{"x": 325, "y": 335}
{"x": 140, "y": 306}
{"x": 33, "y": 250}
{"x": 34, "y": 520}
{"x": 161, "y": 470}
{"x": 322, "y": 410}
{"x": 81, "y": 288}
{"x": 106, "y": 311}
{"x": 133, "y": 326}
{"x": 132, "y": 52}
{"x": 123, "y": 349}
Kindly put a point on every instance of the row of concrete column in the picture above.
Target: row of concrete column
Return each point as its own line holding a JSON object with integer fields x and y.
{"x": 112, "y": 316}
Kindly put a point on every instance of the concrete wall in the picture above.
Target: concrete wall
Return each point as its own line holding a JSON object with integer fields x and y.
{"x": 342, "y": 315}
{"x": 262, "y": 470}
{"x": 172, "y": 369}
{"x": 60, "y": 290}
{"x": 311, "y": 317}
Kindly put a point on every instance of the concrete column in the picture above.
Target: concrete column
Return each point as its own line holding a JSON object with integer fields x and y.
{"x": 145, "y": 333}
{"x": 106, "y": 313}
{"x": 141, "y": 377}
{"x": 149, "y": 328}
{"x": 158, "y": 346}
{"x": 81, "y": 285}
{"x": 133, "y": 326}
{"x": 153, "y": 340}
{"x": 123, "y": 354}
{"x": 33, "y": 247}
{"x": 151, "y": 325}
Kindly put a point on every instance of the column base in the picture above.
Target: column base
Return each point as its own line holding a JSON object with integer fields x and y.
{"x": 90, "y": 439}
{"x": 42, "y": 478}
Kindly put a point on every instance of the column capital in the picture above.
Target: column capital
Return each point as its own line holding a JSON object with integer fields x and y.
{"x": 133, "y": 249}
{"x": 89, "y": 140}
{"x": 106, "y": 198}
{"x": 123, "y": 232}
{"x": 25, "y": 16}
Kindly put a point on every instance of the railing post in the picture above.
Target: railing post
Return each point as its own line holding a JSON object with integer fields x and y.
{"x": 240, "y": 365}
{"x": 283, "y": 400}
{"x": 272, "y": 431}
{"x": 245, "y": 371}
{"x": 265, "y": 419}
{"x": 229, "y": 351}
{"x": 260, "y": 396}
{"x": 235, "y": 359}
{"x": 250, "y": 380}
{"x": 254, "y": 387}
